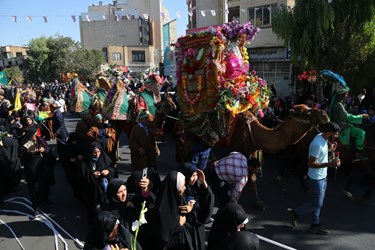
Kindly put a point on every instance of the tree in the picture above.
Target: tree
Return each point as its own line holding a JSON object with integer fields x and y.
{"x": 37, "y": 60}
{"x": 60, "y": 57}
{"x": 14, "y": 73}
{"x": 50, "y": 57}
{"x": 321, "y": 35}
{"x": 86, "y": 62}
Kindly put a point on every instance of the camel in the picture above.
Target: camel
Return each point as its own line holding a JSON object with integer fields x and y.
{"x": 250, "y": 135}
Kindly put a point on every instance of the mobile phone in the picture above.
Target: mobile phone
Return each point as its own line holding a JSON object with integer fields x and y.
{"x": 144, "y": 173}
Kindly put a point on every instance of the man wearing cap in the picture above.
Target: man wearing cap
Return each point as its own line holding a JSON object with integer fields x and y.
{"x": 346, "y": 120}
{"x": 317, "y": 176}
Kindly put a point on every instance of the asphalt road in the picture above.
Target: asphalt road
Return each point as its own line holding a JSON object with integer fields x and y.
{"x": 351, "y": 224}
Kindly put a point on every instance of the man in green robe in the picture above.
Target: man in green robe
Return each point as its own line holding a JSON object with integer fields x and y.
{"x": 346, "y": 120}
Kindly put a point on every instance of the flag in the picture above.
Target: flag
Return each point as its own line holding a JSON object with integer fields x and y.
{"x": 17, "y": 102}
{"x": 213, "y": 12}
{"x": 203, "y": 12}
{"x": 14, "y": 19}
{"x": 3, "y": 78}
{"x": 88, "y": 18}
{"x": 190, "y": 13}
{"x": 74, "y": 18}
{"x": 104, "y": 17}
{"x": 179, "y": 14}
{"x": 145, "y": 15}
{"x": 29, "y": 18}
{"x": 45, "y": 19}
{"x": 118, "y": 17}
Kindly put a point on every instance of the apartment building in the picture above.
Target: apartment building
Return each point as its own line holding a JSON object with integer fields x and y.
{"x": 268, "y": 55}
{"x": 11, "y": 56}
{"x": 128, "y": 32}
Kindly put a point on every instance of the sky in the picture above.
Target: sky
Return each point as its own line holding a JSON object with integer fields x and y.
{"x": 59, "y": 20}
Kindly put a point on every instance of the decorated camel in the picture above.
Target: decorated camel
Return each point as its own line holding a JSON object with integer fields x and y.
{"x": 220, "y": 98}
{"x": 249, "y": 135}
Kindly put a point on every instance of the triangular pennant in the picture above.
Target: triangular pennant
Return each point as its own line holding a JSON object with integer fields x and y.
{"x": 203, "y": 12}
{"x": 88, "y": 18}
{"x": 190, "y": 13}
{"x": 213, "y": 12}
{"x": 14, "y": 19}
{"x": 104, "y": 17}
{"x": 74, "y": 18}
{"x": 145, "y": 15}
{"x": 45, "y": 19}
{"x": 179, "y": 14}
{"x": 29, "y": 18}
{"x": 127, "y": 16}
{"x": 118, "y": 17}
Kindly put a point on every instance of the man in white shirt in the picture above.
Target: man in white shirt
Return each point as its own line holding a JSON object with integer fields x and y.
{"x": 317, "y": 176}
{"x": 60, "y": 103}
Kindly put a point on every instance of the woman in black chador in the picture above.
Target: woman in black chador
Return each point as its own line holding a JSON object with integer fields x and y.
{"x": 39, "y": 167}
{"x": 96, "y": 173}
{"x": 201, "y": 197}
{"x": 169, "y": 225}
{"x": 229, "y": 225}
{"x": 10, "y": 164}
{"x": 109, "y": 234}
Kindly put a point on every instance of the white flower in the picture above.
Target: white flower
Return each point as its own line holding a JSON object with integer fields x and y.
{"x": 142, "y": 219}
{"x": 135, "y": 225}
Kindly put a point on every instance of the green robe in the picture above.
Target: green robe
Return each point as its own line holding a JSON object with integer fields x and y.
{"x": 345, "y": 121}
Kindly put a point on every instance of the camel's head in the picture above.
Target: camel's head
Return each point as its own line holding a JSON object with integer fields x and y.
{"x": 308, "y": 116}
{"x": 166, "y": 105}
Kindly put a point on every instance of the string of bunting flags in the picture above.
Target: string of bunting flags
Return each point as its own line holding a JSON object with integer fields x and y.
{"x": 179, "y": 14}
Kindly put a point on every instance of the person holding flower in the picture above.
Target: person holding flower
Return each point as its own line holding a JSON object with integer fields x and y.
{"x": 109, "y": 234}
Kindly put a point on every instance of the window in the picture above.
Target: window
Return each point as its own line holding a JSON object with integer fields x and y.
{"x": 138, "y": 56}
{"x": 261, "y": 16}
{"x": 116, "y": 56}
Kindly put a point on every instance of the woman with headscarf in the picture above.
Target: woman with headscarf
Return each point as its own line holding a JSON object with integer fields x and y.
{"x": 202, "y": 198}
{"x": 10, "y": 164}
{"x": 96, "y": 174}
{"x": 71, "y": 159}
{"x": 109, "y": 234}
{"x": 117, "y": 200}
{"x": 105, "y": 135}
{"x": 229, "y": 221}
{"x": 83, "y": 126}
{"x": 39, "y": 166}
{"x": 142, "y": 186}
{"x": 170, "y": 228}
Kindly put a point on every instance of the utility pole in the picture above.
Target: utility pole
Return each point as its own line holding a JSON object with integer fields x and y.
{"x": 225, "y": 8}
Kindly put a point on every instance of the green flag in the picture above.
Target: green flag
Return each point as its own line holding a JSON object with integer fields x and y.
{"x": 3, "y": 78}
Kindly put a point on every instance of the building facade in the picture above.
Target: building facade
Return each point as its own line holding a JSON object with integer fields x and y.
{"x": 128, "y": 32}
{"x": 269, "y": 56}
{"x": 13, "y": 56}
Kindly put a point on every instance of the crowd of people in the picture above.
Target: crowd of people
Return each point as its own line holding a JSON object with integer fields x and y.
{"x": 179, "y": 206}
